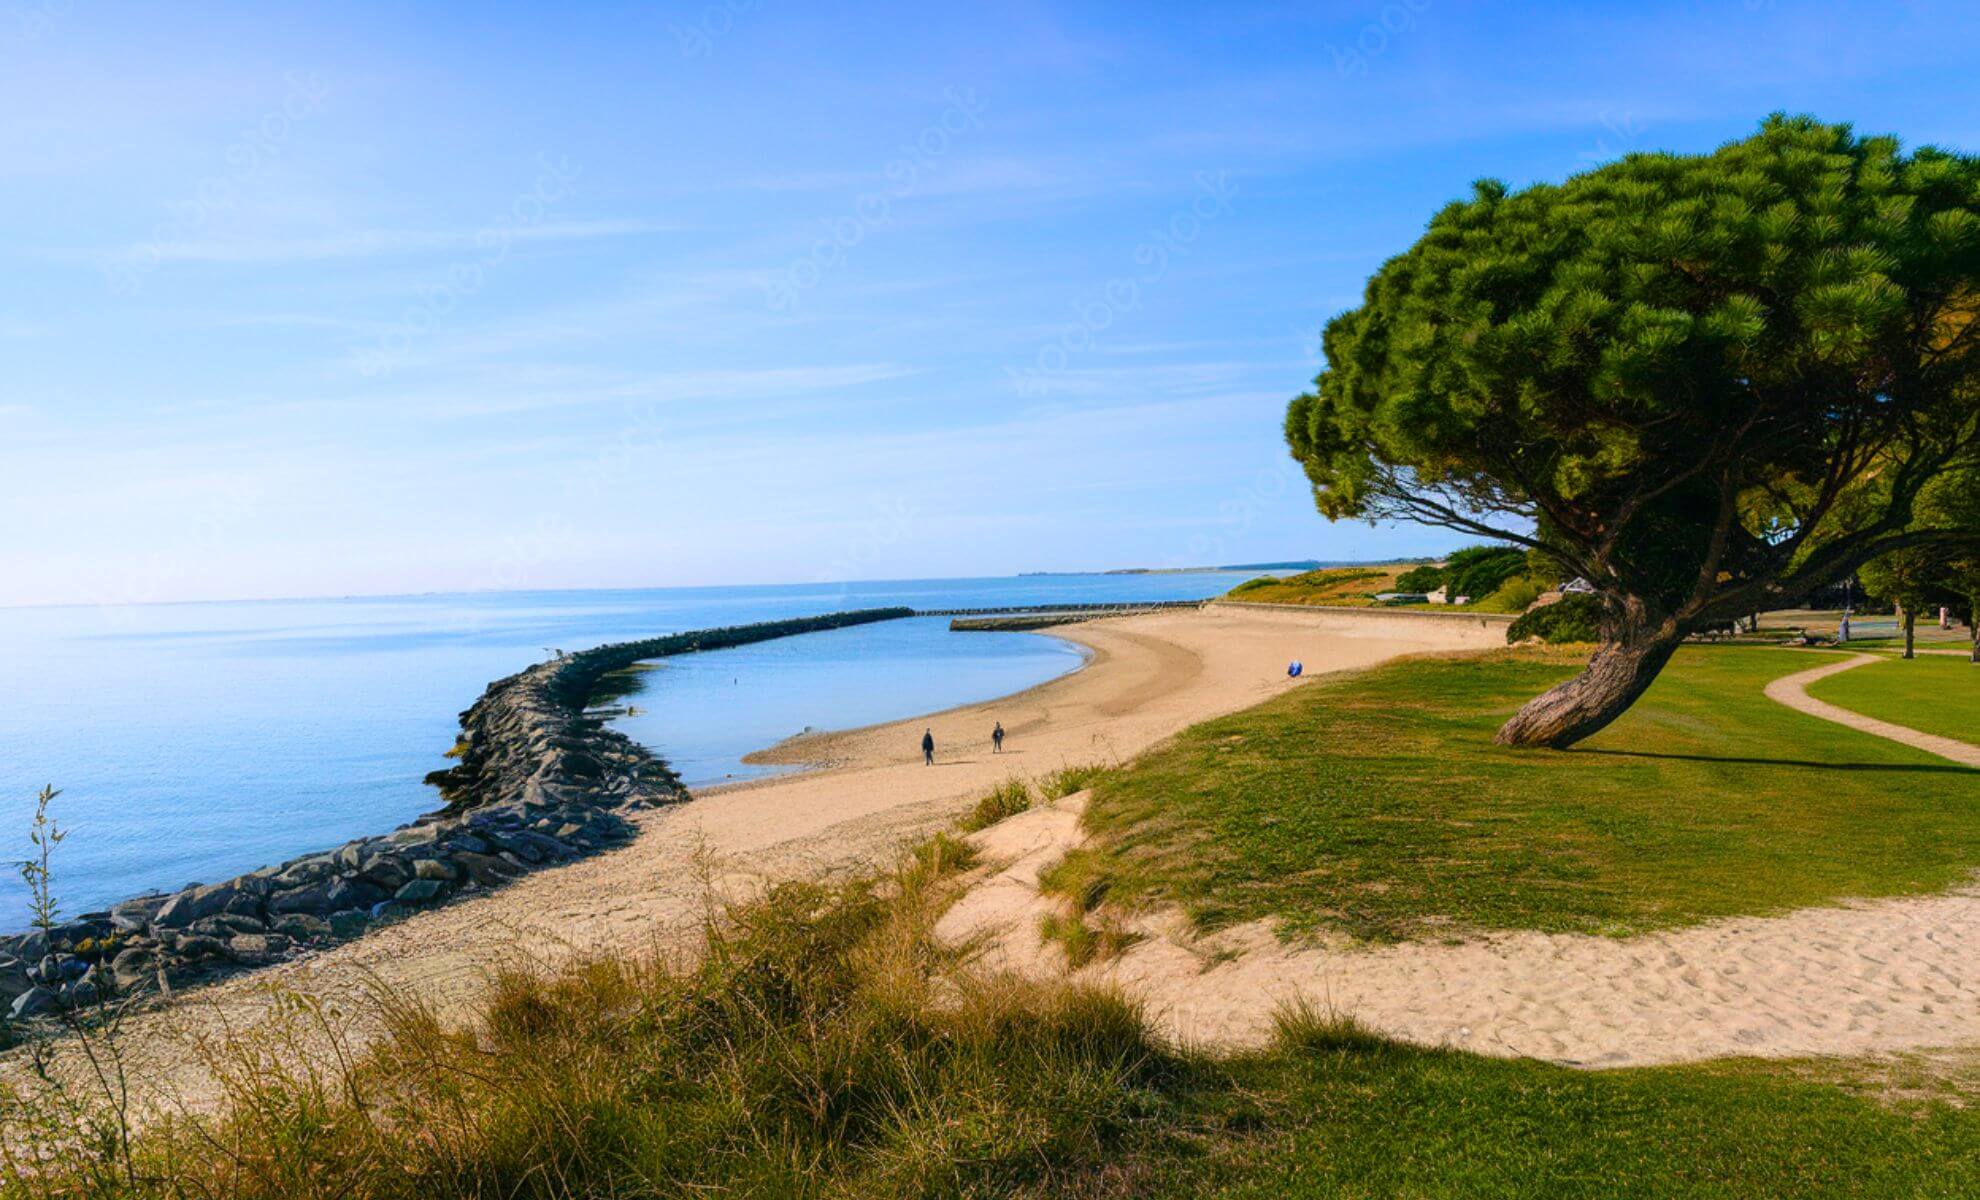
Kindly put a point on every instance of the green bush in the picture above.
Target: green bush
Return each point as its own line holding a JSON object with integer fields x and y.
{"x": 1478, "y": 571}
{"x": 1426, "y": 578}
{"x": 1513, "y": 596}
{"x": 1571, "y": 619}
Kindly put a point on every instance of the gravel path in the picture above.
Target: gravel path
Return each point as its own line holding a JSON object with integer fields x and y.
{"x": 1792, "y": 690}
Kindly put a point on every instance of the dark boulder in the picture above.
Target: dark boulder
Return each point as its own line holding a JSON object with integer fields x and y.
{"x": 135, "y": 915}
{"x": 35, "y": 1002}
{"x": 420, "y": 891}
{"x": 194, "y": 903}
{"x": 134, "y": 970}
{"x": 438, "y": 869}
{"x": 335, "y": 895}
{"x": 385, "y": 872}
{"x": 302, "y": 927}
{"x": 485, "y": 869}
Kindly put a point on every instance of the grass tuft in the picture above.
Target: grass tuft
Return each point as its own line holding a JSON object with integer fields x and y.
{"x": 1302, "y": 1030}
{"x": 1069, "y": 779}
{"x": 1010, "y": 798}
{"x": 1086, "y": 941}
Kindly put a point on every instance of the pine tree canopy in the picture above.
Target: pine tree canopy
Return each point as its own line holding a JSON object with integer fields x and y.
{"x": 1707, "y": 382}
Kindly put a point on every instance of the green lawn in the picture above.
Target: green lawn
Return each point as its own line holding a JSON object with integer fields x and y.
{"x": 1376, "y": 804}
{"x": 1933, "y": 692}
{"x": 1345, "y": 1118}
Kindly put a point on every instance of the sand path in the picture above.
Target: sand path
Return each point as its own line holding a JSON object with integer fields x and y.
{"x": 1148, "y": 678}
{"x": 1792, "y": 690}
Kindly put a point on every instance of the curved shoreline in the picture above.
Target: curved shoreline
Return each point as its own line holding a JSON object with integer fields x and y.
{"x": 1150, "y": 677}
{"x": 539, "y": 783}
{"x": 797, "y": 751}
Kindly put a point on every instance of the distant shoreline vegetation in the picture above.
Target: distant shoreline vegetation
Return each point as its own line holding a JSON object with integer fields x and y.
{"x": 1304, "y": 564}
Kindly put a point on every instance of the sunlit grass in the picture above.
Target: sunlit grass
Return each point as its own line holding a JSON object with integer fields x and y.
{"x": 1936, "y": 693}
{"x": 1377, "y": 804}
{"x": 823, "y": 1044}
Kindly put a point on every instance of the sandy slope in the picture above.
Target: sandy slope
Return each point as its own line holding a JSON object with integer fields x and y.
{"x": 1855, "y": 978}
{"x": 1148, "y": 678}
{"x": 1848, "y": 979}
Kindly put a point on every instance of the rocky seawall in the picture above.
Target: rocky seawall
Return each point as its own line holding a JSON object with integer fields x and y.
{"x": 538, "y": 782}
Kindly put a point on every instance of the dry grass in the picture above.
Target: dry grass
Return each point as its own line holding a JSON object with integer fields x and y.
{"x": 823, "y": 1044}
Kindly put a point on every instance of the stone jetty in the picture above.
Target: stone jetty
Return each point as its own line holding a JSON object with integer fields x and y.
{"x": 538, "y": 782}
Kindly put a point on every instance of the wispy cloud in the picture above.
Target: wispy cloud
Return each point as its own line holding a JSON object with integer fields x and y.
{"x": 379, "y": 243}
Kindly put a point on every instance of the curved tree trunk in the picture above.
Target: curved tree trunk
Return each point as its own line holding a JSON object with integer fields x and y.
{"x": 1622, "y": 669}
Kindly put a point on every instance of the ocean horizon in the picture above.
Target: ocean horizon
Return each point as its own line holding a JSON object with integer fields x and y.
{"x": 196, "y": 740}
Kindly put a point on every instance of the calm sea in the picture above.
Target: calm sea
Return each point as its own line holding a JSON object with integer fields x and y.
{"x": 197, "y": 741}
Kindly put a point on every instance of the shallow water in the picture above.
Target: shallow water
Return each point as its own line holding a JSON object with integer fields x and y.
{"x": 197, "y": 741}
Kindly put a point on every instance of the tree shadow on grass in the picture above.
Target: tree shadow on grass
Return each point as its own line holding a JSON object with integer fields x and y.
{"x": 1904, "y": 768}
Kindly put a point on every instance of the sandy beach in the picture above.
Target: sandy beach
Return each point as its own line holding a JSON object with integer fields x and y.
{"x": 1877, "y": 977}
{"x": 1147, "y": 678}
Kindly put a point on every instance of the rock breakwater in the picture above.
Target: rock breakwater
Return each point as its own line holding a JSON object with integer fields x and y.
{"x": 538, "y": 782}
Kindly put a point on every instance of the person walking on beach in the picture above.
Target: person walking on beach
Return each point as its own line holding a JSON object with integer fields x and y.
{"x": 997, "y": 737}
{"x": 928, "y": 747}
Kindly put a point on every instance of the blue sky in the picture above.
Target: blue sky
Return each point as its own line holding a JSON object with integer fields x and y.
{"x": 318, "y": 300}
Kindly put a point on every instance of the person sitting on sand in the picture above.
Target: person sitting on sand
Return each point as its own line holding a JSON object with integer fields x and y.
{"x": 928, "y": 747}
{"x": 997, "y": 737}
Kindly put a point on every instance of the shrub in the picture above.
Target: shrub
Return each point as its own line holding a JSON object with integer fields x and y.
{"x": 1571, "y": 619}
{"x": 1426, "y": 578}
{"x": 1478, "y": 571}
{"x": 1513, "y": 596}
